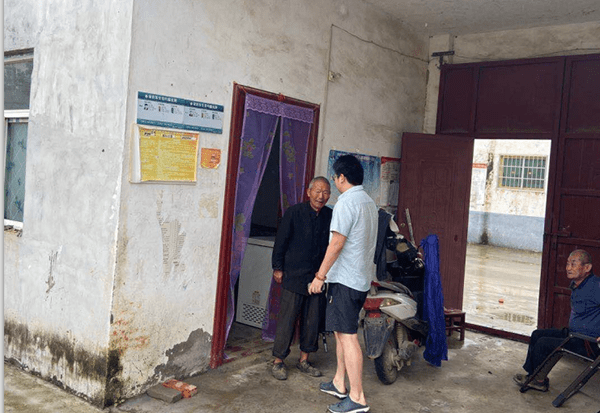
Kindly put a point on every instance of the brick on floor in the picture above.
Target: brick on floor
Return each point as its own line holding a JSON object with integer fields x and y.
{"x": 165, "y": 394}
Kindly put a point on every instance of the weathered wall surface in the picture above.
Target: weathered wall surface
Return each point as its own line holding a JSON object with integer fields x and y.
{"x": 58, "y": 274}
{"x": 170, "y": 234}
{"x": 548, "y": 41}
{"x": 112, "y": 284}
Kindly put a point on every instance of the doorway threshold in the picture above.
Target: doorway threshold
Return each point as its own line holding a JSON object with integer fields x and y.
{"x": 498, "y": 333}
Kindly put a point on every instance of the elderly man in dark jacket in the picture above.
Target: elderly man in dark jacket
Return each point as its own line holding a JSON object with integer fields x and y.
{"x": 300, "y": 246}
{"x": 584, "y": 319}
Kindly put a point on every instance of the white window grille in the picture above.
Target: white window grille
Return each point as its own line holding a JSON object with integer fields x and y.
{"x": 522, "y": 172}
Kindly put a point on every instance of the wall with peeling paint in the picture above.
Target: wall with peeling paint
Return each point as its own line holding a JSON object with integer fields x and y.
{"x": 111, "y": 288}
{"x": 167, "y": 264}
{"x": 58, "y": 273}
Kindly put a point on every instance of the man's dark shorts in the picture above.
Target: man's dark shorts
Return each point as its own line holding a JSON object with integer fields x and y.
{"x": 343, "y": 308}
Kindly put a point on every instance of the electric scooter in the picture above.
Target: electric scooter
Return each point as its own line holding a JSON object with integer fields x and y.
{"x": 392, "y": 328}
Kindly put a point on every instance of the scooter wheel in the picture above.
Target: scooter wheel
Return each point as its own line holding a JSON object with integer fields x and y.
{"x": 384, "y": 364}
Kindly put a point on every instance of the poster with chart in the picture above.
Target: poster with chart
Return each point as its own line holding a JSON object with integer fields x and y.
{"x": 178, "y": 113}
{"x": 371, "y": 183}
{"x": 164, "y": 155}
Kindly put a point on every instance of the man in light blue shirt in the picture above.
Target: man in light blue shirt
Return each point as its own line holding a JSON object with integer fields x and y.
{"x": 349, "y": 268}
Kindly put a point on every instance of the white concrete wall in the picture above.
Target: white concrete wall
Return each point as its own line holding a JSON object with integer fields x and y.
{"x": 196, "y": 50}
{"x": 507, "y": 200}
{"x": 58, "y": 274}
{"x": 506, "y": 217}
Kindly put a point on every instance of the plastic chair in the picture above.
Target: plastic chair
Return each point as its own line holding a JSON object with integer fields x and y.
{"x": 556, "y": 355}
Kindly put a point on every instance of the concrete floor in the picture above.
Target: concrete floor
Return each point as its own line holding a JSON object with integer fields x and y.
{"x": 476, "y": 378}
{"x": 502, "y": 288}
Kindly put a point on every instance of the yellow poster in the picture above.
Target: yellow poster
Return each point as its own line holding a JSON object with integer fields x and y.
{"x": 168, "y": 155}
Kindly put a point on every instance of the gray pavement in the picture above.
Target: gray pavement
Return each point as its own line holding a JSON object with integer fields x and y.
{"x": 476, "y": 378}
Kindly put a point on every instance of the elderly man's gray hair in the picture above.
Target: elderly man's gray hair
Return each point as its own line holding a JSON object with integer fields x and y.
{"x": 318, "y": 178}
{"x": 584, "y": 256}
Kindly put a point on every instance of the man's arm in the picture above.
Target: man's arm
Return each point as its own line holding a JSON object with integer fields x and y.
{"x": 331, "y": 255}
{"x": 282, "y": 240}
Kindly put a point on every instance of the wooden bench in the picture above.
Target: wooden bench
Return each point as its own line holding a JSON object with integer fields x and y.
{"x": 455, "y": 321}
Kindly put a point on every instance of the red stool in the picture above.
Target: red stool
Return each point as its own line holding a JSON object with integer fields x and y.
{"x": 455, "y": 321}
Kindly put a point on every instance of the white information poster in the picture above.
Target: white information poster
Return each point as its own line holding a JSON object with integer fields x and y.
{"x": 177, "y": 113}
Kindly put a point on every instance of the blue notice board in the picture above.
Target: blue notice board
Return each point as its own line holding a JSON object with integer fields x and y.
{"x": 177, "y": 113}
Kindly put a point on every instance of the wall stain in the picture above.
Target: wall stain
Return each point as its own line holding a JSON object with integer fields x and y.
{"x": 124, "y": 337}
{"x": 208, "y": 206}
{"x": 51, "y": 283}
{"x": 114, "y": 386}
{"x": 187, "y": 358}
{"x": 20, "y": 340}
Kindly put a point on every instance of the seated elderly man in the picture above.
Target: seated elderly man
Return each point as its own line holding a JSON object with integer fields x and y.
{"x": 584, "y": 319}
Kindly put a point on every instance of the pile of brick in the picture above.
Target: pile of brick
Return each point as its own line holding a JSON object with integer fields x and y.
{"x": 172, "y": 391}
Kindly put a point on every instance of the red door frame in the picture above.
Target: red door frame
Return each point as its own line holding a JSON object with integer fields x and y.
{"x": 237, "y": 118}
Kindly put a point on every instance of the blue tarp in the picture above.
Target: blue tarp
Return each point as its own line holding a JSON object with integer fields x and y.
{"x": 436, "y": 346}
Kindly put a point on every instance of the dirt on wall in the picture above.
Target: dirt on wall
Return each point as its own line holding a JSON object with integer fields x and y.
{"x": 20, "y": 341}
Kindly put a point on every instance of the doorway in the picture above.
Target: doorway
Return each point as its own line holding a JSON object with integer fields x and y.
{"x": 252, "y": 288}
{"x": 507, "y": 208}
{"x": 233, "y": 239}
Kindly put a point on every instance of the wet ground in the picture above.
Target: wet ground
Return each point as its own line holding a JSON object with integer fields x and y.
{"x": 502, "y": 288}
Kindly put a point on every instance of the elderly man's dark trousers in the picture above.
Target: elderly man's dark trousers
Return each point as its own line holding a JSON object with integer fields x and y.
{"x": 544, "y": 341}
{"x": 291, "y": 306}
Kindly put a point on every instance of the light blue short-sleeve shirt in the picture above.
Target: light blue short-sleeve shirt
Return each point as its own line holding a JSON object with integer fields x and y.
{"x": 355, "y": 217}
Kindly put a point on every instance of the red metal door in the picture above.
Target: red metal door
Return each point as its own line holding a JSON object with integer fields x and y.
{"x": 576, "y": 202}
{"x": 435, "y": 182}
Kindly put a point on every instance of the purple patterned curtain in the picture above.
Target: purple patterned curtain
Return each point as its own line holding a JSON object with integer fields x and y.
{"x": 258, "y": 130}
{"x": 295, "y": 129}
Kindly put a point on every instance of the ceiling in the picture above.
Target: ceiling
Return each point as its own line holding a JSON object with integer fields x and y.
{"x": 476, "y": 16}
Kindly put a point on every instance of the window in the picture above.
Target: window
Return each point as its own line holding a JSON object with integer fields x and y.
{"x": 522, "y": 172}
{"x": 18, "y": 67}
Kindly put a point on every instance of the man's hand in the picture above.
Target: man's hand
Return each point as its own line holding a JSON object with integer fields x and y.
{"x": 316, "y": 286}
{"x": 278, "y": 275}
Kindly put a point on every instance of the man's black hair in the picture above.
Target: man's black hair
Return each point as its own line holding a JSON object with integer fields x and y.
{"x": 351, "y": 168}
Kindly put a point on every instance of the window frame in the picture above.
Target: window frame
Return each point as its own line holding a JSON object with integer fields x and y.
{"x": 522, "y": 169}
{"x": 8, "y": 115}
{"x": 15, "y": 56}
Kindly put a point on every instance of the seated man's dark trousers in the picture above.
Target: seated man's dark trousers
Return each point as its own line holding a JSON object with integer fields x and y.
{"x": 544, "y": 341}
{"x": 292, "y": 305}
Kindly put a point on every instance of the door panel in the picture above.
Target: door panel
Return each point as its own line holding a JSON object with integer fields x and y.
{"x": 582, "y": 100}
{"x": 519, "y": 98}
{"x": 576, "y": 200}
{"x": 455, "y": 111}
{"x": 435, "y": 182}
